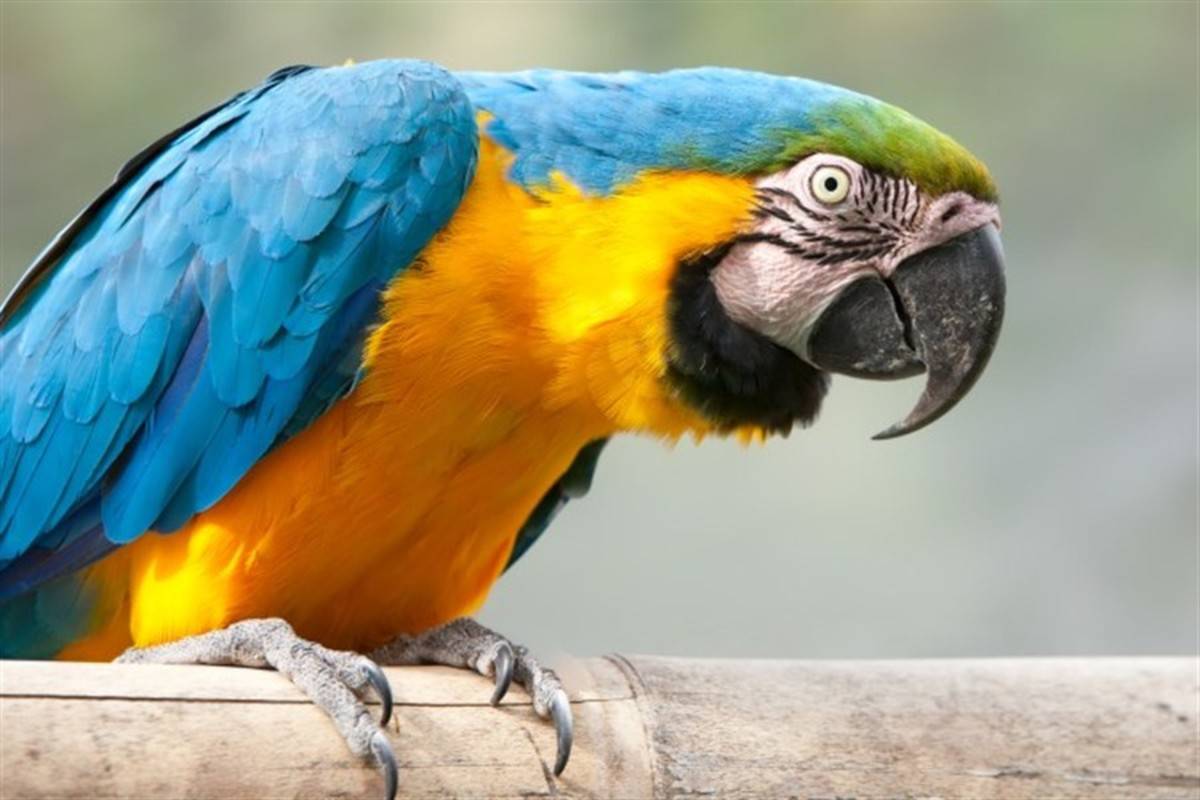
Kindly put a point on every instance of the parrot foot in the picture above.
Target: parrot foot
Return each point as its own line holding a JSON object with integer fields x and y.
{"x": 336, "y": 681}
{"x": 466, "y": 643}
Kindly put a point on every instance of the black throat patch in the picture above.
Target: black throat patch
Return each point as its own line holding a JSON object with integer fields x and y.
{"x": 729, "y": 373}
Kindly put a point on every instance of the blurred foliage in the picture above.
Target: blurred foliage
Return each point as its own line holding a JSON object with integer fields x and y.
{"x": 1054, "y": 512}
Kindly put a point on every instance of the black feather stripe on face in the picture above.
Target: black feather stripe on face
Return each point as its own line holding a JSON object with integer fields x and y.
{"x": 856, "y": 234}
{"x": 729, "y": 373}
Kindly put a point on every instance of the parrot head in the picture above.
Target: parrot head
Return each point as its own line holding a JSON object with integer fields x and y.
{"x": 873, "y": 252}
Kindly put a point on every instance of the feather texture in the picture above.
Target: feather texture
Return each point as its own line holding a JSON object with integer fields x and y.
{"x": 182, "y": 325}
{"x": 601, "y": 131}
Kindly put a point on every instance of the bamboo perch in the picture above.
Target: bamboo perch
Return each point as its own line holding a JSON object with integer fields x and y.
{"x": 645, "y": 728}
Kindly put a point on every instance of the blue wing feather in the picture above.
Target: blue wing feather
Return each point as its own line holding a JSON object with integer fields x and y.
{"x": 213, "y": 302}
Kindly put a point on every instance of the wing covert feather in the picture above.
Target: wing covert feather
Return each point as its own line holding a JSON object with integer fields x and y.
{"x": 212, "y": 301}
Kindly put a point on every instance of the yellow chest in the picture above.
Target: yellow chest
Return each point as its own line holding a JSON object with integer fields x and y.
{"x": 375, "y": 523}
{"x": 530, "y": 326}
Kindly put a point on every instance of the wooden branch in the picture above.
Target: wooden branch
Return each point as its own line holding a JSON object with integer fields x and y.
{"x": 645, "y": 727}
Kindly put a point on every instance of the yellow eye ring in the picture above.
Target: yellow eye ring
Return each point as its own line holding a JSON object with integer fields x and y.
{"x": 830, "y": 185}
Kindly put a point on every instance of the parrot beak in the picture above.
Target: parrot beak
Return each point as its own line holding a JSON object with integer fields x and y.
{"x": 939, "y": 312}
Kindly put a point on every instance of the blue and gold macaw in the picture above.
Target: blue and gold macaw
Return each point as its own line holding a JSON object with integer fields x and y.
{"x": 321, "y": 363}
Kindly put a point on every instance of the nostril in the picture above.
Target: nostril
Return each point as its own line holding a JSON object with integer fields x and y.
{"x": 951, "y": 212}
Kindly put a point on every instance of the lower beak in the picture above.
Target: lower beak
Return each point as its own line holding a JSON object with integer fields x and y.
{"x": 939, "y": 312}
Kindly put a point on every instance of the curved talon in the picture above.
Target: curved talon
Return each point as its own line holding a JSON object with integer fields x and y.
{"x": 564, "y": 729}
{"x": 382, "y": 688}
{"x": 502, "y": 666}
{"x": 382, "y": 750}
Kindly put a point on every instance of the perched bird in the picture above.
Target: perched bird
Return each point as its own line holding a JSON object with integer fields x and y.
{"x": 321, "y": 363}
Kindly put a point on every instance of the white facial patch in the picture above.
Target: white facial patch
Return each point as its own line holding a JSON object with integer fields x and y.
{"x": 775, "y": 293}
{"x": 778, "y": 278}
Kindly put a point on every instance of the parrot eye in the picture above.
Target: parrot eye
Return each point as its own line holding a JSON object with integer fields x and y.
{"x": 830, "y": 185}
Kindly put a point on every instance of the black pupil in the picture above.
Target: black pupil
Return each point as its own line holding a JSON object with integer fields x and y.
{"x": 831, "y": 183}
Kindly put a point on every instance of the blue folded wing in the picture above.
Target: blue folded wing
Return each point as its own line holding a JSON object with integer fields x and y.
{"x": 213, "y": 302}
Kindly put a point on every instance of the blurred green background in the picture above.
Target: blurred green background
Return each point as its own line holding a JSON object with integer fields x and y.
{"x": 1053, "y": 512}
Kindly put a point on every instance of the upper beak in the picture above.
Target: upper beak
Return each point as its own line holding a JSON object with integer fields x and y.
{"x": 940, "y": 312}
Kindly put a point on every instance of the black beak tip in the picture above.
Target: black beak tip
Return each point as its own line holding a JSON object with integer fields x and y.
{"x": 896, "y": 430}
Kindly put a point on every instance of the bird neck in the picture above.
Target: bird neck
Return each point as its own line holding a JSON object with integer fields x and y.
{"x": 566, "y": 293}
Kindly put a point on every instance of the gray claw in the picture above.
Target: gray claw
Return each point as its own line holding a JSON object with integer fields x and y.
{"x": 502, "y": 666}
{"x": 382, "y": 688}
{"x": 382, "y": 749}
{"x": 564, "y": 728}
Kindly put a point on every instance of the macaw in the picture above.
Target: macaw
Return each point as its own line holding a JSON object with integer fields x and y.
{"x": 320, "y": 364}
